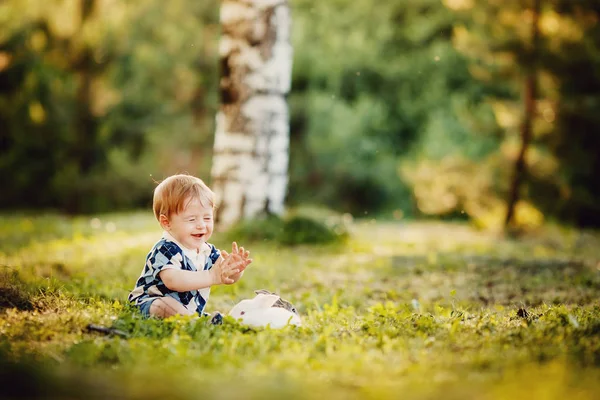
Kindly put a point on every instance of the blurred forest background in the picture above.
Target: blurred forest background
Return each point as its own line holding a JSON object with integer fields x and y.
{"x": 403, "y": 108}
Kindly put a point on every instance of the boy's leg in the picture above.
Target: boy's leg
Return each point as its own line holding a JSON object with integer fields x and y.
{"x": 164, "y": 307}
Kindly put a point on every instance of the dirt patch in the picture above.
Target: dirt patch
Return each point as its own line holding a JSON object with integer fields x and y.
{"x": 11, "y": 297}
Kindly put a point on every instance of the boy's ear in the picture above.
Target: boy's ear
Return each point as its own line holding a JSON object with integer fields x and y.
{"x": 265, "y": 300}
{"x": 164, "y": 222}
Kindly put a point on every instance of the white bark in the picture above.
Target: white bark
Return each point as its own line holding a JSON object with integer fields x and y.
{"x": 251, "y": 150}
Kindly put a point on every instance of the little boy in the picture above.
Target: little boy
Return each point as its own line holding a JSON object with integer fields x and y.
{"x": 182, "y": 265}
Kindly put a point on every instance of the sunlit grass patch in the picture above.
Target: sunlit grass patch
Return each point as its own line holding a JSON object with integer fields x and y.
{"x": 426, "y": 310}
{"x": 19, "y": 230}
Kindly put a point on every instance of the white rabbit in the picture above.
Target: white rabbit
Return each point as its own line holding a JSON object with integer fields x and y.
{"x": 259, "y": 312}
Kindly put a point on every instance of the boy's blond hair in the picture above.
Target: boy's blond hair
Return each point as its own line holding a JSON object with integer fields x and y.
{"x": 172, "y": 195}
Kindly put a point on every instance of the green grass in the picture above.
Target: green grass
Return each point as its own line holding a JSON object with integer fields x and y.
{"x": 418, "y": 310}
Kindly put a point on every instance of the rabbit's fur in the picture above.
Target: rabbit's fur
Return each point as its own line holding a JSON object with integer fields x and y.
{"x": 266, "y": 309}
{"x": 279, "y": 303}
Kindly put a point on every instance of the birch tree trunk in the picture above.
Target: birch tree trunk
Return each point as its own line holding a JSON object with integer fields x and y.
{"x": 251, "y": 150}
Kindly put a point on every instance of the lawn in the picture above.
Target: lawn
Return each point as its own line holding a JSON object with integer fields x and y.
{"x": 418, "y": 310}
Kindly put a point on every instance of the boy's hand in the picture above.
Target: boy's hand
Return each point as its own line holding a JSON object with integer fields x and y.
{"x": 244, "y": 255}
{"x": 229, "y": 267}
{"x": 225, "y": 266}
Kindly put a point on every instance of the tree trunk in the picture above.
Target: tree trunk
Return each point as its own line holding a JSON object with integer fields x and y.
{"x": 529, "y": 96}
{"x": 251, "y": 150}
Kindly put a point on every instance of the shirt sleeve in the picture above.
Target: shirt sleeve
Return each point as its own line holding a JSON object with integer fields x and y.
{"x": 166, "y": 256}
{"x": 212, "y": 258}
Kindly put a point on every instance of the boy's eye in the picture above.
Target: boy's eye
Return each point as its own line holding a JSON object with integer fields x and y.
{"x": 207, "y": 218}
{"x": 191, "y": 219}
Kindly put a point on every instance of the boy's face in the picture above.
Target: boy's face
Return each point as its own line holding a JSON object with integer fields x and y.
{"x": 192, "y": 227}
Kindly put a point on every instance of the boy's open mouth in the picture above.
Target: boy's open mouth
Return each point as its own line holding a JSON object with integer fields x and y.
{"x": 198, "y": 235}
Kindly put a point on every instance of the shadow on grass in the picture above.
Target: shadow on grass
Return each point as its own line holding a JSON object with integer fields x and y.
{"x": 13, "y": 292}
{"x": 495, "y": 280}
{"x": 24, "y": 377}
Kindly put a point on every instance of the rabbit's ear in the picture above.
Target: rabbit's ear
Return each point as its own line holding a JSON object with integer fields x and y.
{"x": 265, "y": 300}
{"x": 262, "y": 291}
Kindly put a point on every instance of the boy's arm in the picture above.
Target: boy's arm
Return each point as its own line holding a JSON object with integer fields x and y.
{"x": 183, "y": 281}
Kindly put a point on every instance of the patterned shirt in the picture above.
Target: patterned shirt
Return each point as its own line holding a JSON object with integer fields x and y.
{"x": 165, "y": 254}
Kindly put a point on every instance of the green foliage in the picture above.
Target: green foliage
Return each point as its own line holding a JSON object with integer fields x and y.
{"x": 291, "y": 230}
{"x": 388, "y": 104}
{"x": 300, "y": 230}
{"x": 573, "y": 64}
{"x": 269, "y": 228}
{"x": 90, "y": 100}
{"x": 561, "y": 165}
{"x": 371, "y": 97}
